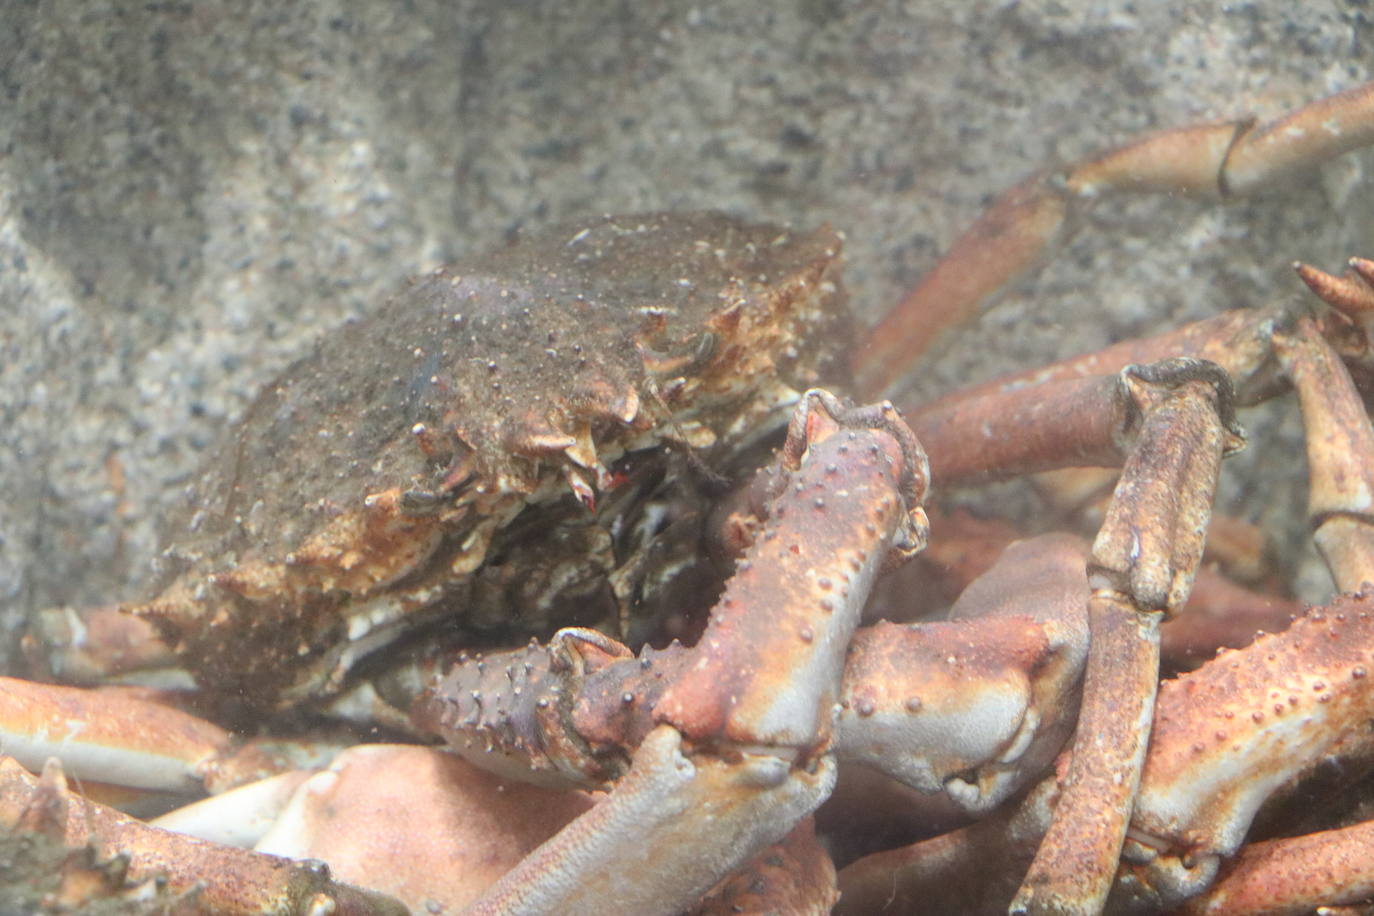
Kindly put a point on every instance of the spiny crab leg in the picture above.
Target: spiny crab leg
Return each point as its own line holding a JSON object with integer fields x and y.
{"x": 469, "y": 826}
{"x": 1229, "y": 734}
{"x": 213, "y": 878}
{"x": 740, "y": 747}
{"x": 1352, "y": 294}
{"x": 1036, "y": 420}
{"x": 1325, "y": 654}
{"x": 976, "y": 705}
{"x": 1225, "y": 738}
{"x": 1288, "y": 876}
{"x": 1211, "y": 161}
{"x": 1142, "y": 567}
{"x": 1070, "y": 416}
{"x": 973, "y": 706}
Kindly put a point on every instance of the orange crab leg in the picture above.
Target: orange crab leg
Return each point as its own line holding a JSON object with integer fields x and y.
{"x": 1069, "y": 422}
{"x": 972, "y": 706}
{"x": 108, "y": 735}
{"x": 1237, "y": 341}
{"x": 216, "y": 879}
{"x": 1288, "y": 877}
{"x": 1340, "y": 444}
{"x": 475, "y": 825}
{"x": 1220, "y": 160}
{"x": 976, "y": 705}
{"x": 1069, "y": 415}
{"x": 773, "y": 677}
{"x": 1324, "y": 654}
{"x": 1227, "y": 735}
{"x": 1142, "y": 567}
{"x": 133, "y": 751}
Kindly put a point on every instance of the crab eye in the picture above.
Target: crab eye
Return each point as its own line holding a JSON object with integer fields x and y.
{"x": 420, "y": 502}
{"x": 689, "y": 360}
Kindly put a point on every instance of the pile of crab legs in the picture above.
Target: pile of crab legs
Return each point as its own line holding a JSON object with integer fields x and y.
{"x": 737, "y": 739}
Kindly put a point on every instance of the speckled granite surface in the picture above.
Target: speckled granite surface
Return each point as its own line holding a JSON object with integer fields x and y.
{"x": 190, "y": 192}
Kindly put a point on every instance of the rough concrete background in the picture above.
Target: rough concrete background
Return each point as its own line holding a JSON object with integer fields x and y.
{"x": 190, "y": 192}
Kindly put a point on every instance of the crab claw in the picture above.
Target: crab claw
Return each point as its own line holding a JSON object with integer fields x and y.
{"x": 734, "y": 738}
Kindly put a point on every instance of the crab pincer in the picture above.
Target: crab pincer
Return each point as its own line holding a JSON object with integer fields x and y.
{"x": 730, "y": 743}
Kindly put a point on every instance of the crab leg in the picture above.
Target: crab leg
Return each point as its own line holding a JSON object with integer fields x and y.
{"x": 1071, "y": 422}
{"x": 1290, "y": 876}
{"x": 741, "y": 745}
{"x": 1237, "y": 340}
{"x": 134, "y": 752}
{"x": 1143, "y": 563}
{"x": 1055, "y": 416}
{"x": 1229, "y": 734}
{"x": 1340, "y": 444}
{"x": 976, "y": 705}
{"x": 973, "y": 706}
{"x": 475, "y": 826}
{"x": 1023, "y": 427}
{"x": 1210, "y": 161}
{"x": 109, "y": 736}
{"x": 1225, "y": 738}
{"x": 217, "y": 879}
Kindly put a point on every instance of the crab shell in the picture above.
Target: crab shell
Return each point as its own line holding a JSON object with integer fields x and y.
{"x": 365, "y": 489}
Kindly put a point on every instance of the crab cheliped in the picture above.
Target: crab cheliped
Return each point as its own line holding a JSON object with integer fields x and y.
{"x": 616, "y": 442}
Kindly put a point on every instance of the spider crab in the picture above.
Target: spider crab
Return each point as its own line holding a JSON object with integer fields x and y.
{"x": 562, "y": 427}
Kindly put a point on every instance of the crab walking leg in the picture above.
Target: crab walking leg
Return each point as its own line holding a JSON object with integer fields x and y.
{"x": 1007, "y": 415}
{"x": 1225, "y": 738}
{"x": 1071, "y": 422}
{"x": 1023, "y": 426}
{"x": 741, "y": 748}
{"x": 1237, "y": 340}
{"x": 218, "y": 879}
{"x": 1352, "y": 295}
{"x": 670, "y": 830}
{"x": 108, "y": 736}
{"x": 119, "y": 740}
{"x": 1340, "y": 447}
{"x": 1228, "y": 735}
{"x": 1210, "y": 161}
{"x": 1142, "y": 567}
{"x": 1290, "y": 877}
{"x": 973, "y": 706}
{"x": 977, "y": 705}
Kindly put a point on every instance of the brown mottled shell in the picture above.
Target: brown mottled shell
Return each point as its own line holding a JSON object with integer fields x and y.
{"x": 368, "y": 482}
